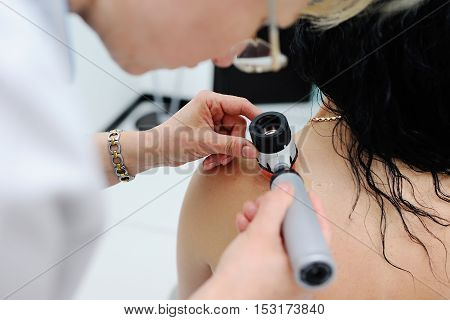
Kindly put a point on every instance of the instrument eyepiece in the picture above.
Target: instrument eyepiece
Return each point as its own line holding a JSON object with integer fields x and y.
{"x": 270, "y": 132}
{"x": 271, "y": 135}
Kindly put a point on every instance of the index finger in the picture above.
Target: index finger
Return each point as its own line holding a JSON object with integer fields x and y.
{"x": 235, "y": 106}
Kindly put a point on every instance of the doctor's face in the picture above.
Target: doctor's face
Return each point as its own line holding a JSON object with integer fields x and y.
{"x": 152, "y": 34}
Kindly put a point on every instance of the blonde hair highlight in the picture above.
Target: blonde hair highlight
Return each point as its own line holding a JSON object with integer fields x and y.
{"x": 329, "y": 13}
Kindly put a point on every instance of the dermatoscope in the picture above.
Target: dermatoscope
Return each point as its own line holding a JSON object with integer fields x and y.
{"x": 310, "y": 257}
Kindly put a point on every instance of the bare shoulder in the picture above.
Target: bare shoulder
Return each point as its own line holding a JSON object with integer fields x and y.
{"x": 214, "y": 198}
{"x": 212, "y": 201}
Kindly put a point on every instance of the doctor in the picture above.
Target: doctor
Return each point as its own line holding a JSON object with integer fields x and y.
{"x": 50, "y": 215}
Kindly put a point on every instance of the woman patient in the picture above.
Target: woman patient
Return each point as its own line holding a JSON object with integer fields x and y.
{"x": 381, "y": 170}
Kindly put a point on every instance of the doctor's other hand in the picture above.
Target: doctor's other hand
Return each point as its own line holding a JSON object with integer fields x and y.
{"x": 210, "y": 125}
{"x": 255, "y": 265}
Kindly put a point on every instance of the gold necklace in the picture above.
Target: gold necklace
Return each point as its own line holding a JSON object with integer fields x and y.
{"x": 325, "y": 119}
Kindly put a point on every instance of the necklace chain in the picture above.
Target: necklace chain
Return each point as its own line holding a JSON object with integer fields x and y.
{"x": 325, "y": 119}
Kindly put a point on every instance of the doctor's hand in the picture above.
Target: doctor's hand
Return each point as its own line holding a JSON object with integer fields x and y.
{"x": 210, "y": 125}
{"x": 255, "y": 265}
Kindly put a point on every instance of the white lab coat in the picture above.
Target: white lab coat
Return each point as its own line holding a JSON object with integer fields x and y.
{"x": 49, "y": 179}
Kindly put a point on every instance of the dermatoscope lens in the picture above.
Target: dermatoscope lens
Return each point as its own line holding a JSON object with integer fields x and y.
{"x": 271, "y": 135}
{"x": 270, "y": 132}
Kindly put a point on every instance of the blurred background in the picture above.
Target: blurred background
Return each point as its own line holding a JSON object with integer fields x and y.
{"x": 136, "y": 258}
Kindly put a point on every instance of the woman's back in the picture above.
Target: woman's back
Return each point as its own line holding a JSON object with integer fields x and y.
{"x": 207, "y": 226}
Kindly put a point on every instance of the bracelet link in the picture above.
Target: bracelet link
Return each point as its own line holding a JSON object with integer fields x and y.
{"x": 114, "y": 148}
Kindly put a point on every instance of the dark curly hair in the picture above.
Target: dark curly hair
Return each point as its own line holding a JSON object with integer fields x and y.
{"x": 388, "y": 76}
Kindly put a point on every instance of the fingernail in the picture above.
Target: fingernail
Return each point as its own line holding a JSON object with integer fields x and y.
{"x": 209, "y": 166}
{"x": 248, "y": 152}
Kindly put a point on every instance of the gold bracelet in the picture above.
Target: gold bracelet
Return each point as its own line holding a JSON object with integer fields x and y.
{"x": 120, "y": 170}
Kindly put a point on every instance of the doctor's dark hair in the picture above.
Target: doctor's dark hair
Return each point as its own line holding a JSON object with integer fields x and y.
{"x": 388, "y": 76}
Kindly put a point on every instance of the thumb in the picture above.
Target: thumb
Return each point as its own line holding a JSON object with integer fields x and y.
{"x": 272, "y": 209}
{"x": 234, "y": 146}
